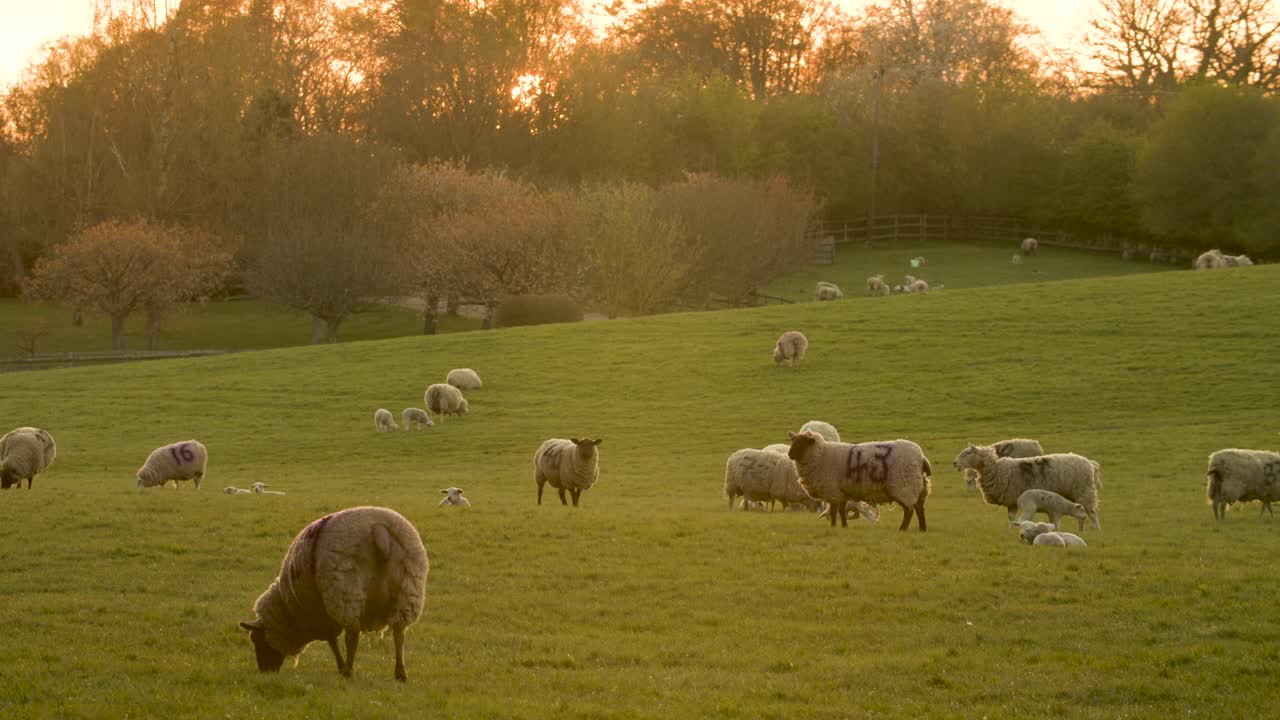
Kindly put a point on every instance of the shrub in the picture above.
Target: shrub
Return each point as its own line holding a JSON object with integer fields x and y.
{"x": 517, "y": 310}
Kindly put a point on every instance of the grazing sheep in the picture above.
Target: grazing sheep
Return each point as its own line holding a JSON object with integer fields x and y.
{"x": 1013, "y": 447}
{"x": 763, "y": 476}
{"x": 825, "y": 429}
{"x": 415, "y": 418}
{"x": 917, "y": 261}
{"x": 919, "y": 286}
{"x": 1017, "y": 260}
{"x": 1236, "y": 260}
{"x": 443, "y": 399}
{"x": 780, "y": 448}
{"x": 907, "y": 282}
{"x": 1030, "y": 246}
{"x": 1236, "y": 475}
{"x": 872, "y": 472}
{"x": 877, "y": 286}
{"x": 453, "y": 497}
{"x": 828, "y": 291}
{"x": 359, "y": 569}
{"x": 1050, "y": 503}
{"x": 383, "y": 421}
{"x": 464, "y": 379}
{"x": 1003, "y": 480}
{"x": 179, "y": 461}
{"x": 25, "y": 452}
{"x": 233, "y": 490}
{"x": 790, "y": 348}
{"x": 260, "y": 488}
{"x": 572, "y": 465}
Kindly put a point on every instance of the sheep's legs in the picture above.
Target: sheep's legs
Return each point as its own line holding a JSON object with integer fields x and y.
{"x": 562, "y": 500}
{"x": 920, "y": 513}
{"x": 1094, "y": 517}
{"x": 576, "y": 493}
{"x": 831, "y": 513}
{"x": 353, "y": 639}
{"x": 397, "y": 632}
{"x": 333, "y": 645}
{"x": 844, "y": 513}
{"x": 540, "y": 484}
{"x": 906, "y": 516}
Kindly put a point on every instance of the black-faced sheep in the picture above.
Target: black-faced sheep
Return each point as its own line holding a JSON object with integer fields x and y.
{"x": 874, "y": 472}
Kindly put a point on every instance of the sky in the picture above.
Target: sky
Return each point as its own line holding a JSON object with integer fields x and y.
{"x": 25, "y": 25}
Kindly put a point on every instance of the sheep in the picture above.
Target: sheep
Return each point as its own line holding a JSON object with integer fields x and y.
{"x": 877, "y": 286}
{"x": 1003, "y": 480}
{"x": 1235, "y": 260}
{"x": 1053, "y": 538}
{"x": 25, "y": 452}
{"x": 907, "y": 282}
{"x": 790, "y": 348}
{"x": 383, "y": 422}
{"x": 453, "y": 497}
{"x": 359, "y": 569}
{"x": 233, "y": 490}
{"x": 260, "y": 488}
{"x": 1025, "y": 525}
{"x": 464, "y": 379}
{"x": 572, "y": 465}
{"x": 856, "y": 510}
{"x": 1236, "y": 475}
{"x": 760, "y": 475}
{"x": 1030, "y": 246}
{"x": 872, "y": 472}
{"x": 1013, "y": 447}
{"x": 1051, "y": 503}
{"x": 825, "y": 429}
{"x": 828, "y": 291}
{"x": 919, "y": 286}
{"x": 780, "y": 448}
{"x": 1216, "y": 258}
{"x": 1017, "y": 260}
{"x": 180, "y": 461}
{"x": 443, "y": 399}
{"x": 898, "y": 289}
{"x": 917, "y": 261}
{"x": 415, "y": 418}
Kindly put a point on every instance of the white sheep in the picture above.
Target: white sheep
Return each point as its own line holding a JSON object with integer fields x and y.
{"x": 359, "y": 569}
{"x": 1058, "y": 539}
{"x": 790, "y": 348}
{"x": 825, "y": 429}
{"x": 1216, "y": 258}
{"x": 260, "y": 488}
{"x": 1013, "y": 447}
{"x": 464, "y": 379}
{"x": 1236, "y": 475}
{"x": 872, "y": 472}
{"x": 828, "y": 291}
{"x": 180, "y": 461}
{"x": 444, "y": 399}
{"x": 877, "y": 286}
{"x": 233, "y": 490}
{"x": 572, "y": 465}
{"x": 780, "y": 448}
{"x": 415, "y": 418}
{"x": 1050, "y": 503}
{"x": 1003, "y": 480}
{"x": 383, "y": 421}
{"x": 25, "y": 452}
{"x": 1030, "y": 246}
{"x": 453, "y": 497}
{"x": 919, "y": 286}
{"x": 917, "y": 261}
{"x": 763, "y": 476}
{"x": 897, "y": 289}
{"x": 1017, "y": 260}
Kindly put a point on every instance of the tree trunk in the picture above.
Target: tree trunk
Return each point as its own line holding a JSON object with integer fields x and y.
{"x": 117, "y": 332}
{"x": 317, "y": 330}
{"x": 430, "y": 321}
{"x": 77, "y": 318}
{"x": 153, "y": 331}
{"x": 451, "y": 305}
{"x": 332, "y": 336}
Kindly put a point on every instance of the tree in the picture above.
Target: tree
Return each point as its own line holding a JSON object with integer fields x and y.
{"x": 1095, "y": 188}
{"x": 117, "y": 268}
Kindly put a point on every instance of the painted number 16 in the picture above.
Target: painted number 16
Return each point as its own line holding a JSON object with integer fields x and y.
{"x": 182, "y": 453}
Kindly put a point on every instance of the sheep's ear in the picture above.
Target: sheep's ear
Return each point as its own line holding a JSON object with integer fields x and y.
{"x": 444, "y": 492}
{"x": 791, "y": 435}
{"x": 576, "y": 441}
{"x": 598, "y": 441}
{"x": 251, "y": 626}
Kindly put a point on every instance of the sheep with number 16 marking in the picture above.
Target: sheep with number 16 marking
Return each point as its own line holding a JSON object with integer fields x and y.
{"x": 179, "y": 461}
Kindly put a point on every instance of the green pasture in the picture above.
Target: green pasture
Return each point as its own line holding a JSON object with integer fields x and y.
{"x": 652, "y": 600}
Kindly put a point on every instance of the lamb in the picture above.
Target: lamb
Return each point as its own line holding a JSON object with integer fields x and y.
{"x": 877, "y": 286}
{"x": 464, "y": 379}
{"x": 971, "y": 479}
{"x": 828, "y": 291}
{"x": 443, "y": 399}
{"x": 1013, "y": 447}
{"x": 897, "y": 289}
{"x": 383, "y": 422}
{"x": 260, "y": 488}
{"x": 1017, "y": 259}
{"x": 917, "y": 261}
{"x": 1003, "y": 480}
{"x": 453, "y": 498}
{"x": 919, "y": 286}
{"x": 1030, "y": 246}
{"x": 1051, "y": 538}
{"x": 760, "y": 475}
{"x": 826, "y": 430}
{"x": 233, "y": 490}
{"x": 359, "y": 569}
{"x": 790, "y": 348}
{"x": 180, "y": 461}
{"x": 572, "y": 465}
{"x": 1236, "y": 475}
{"x": 872, "y": 472}
{"x": 1051, "y": 503}
{"x": 415, "y": 418}
{"x": 25, "y": 452}
{"x": 856, "y": 510}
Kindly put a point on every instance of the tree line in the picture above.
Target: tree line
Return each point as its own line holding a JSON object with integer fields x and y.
{"x": 320, "y": 139}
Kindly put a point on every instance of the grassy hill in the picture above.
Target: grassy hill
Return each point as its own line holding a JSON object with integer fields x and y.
{"x": 652, "y": 600}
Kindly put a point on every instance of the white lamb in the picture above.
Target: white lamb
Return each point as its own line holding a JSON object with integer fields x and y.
{"x": 917, "y": 261}
{"x": 260, "y": 488}
{"x": 383, "y": 421}
{"x": 1050, "y": 503}
{"x": 453, "y": 497}
{"x": 1059, "y": 539}
{"x": 1030, "y": 246}
{"x": 877, "y": 286}
{"x": 415, "y": 418}
{"x": 233, "y": 490}
{"x": 827, "y": 291}
{"x": 1017, "y": 260}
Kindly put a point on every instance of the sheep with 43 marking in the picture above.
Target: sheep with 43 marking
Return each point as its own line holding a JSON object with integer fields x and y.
{"x": 359, "y": 569}
{"x": 872, "y": 472}
{"x": 25, "y": 452}
{"x": 1003, "y": 480}
{"x": 1236, "y": 475}
{"x": 572, "y": 465}
{"x": 179, "y": 461}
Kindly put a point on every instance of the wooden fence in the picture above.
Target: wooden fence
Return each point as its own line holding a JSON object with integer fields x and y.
{"x": 45, "y": 361}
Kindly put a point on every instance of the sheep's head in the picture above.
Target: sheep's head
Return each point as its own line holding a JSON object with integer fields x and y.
{"x": 1030, "y": 531}
{"x": 269, "y": 659}
{"x": 969, "y": 459}
{"x": 465, "y": 407}
{"x": 777, "y": 354}
{"x": 586, "y": 448}
{"x": 452, "y": 492}
{"x": 9, "y": 477}
{"x": 801, "y": 443}
{"x": 1077, "y": 511}
{"x": 146, "y": 478}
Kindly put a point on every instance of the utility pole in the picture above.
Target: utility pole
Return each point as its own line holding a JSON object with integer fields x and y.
{"x": 875, "y": 151}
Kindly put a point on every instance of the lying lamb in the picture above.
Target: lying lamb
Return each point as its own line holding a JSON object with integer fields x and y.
{"x": 1031, "y": 533}
{"x": 233, "y": 490}
{"x": 790, "y": 348}
{"x": 260, "y": 488}
{"x": 453, "y": 497}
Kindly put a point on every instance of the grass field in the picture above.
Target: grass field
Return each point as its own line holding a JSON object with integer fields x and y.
{"x": 652, "y": 600}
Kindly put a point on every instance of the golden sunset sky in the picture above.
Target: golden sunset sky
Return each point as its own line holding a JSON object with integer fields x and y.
{"x": 25, "y": 25}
